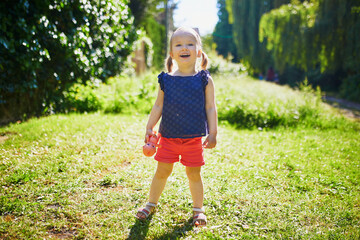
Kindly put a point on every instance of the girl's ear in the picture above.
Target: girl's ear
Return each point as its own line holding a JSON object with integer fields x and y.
{"x": 199, "y": 53}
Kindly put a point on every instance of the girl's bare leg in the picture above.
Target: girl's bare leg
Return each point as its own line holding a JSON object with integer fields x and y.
{"x": 196, "y": 186}
{"x": 158, "y": 183}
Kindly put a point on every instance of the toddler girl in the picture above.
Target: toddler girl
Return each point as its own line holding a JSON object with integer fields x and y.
{"x": 186, "y": 105}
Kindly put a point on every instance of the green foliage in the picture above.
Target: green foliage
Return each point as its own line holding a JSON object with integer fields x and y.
{"x": 219, "y": 65}
{"x": 263, "y": 105}
{"x": 318, "y": 34}
{"x": 121, "y": 94}
{"x": 317, "y": 39}
{"x": 82, "y": 98}
{"x": 286, "y": 31}
{"x": 147, "y": 16}
{"x": 157, "y": 34}
{"x": 245, "y": 16}
{"x": 222, "y": 34}
{"x": 129, "y": 94}
{"x": 46, "y": 46}
{"x": 242, "y": 101}
{"x": 350, "y": 89}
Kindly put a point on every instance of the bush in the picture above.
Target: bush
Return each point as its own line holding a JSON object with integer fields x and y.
{"x": 121, "y": 94}
{"x": 219, "y": 65}
{"x": 46, "y": 46}
{"x": 246, "y": 103}
{"x": 129, "y": 95}
{"x": 350, "y": 88}
{"x": 82, "y": 98}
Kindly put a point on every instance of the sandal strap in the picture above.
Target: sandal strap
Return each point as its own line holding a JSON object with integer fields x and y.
{"x": 147, "y": 209}
{"x": 200, "y": 210}
{"x": 199, "y": 217}
{"x": 149, "y": 204}
{"x": 145, "y": 212}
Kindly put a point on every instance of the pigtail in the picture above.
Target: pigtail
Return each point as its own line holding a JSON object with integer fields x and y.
{"x": 169, "y": 64}
{"x": 204, "y": 61}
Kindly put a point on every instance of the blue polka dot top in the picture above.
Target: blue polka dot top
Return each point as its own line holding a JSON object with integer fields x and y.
{"x": 183, "y": 113}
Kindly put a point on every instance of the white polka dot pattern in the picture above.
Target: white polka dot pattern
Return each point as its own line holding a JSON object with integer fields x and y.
{"x": 183, "y": 114}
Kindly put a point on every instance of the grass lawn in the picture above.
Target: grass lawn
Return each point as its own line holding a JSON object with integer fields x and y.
{"x": 84, "y": 177}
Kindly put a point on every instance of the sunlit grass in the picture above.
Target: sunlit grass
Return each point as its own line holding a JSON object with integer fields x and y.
{"x": 249, "y": 103}
{"x": 84, "y": 177}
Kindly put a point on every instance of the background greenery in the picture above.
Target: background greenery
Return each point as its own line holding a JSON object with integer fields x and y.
{"x": 46, "y": 46}
{"x": 315, "y": 39}
{"x": 50, "y": 48}
{"x": 149, "y": 16}
{"x": 265, "y": 106}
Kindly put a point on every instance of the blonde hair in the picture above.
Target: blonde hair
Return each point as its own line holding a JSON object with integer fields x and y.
{"x": 195, "y": 33}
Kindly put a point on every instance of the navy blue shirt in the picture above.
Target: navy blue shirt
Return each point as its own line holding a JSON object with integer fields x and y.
{"x": 183, "y": 113}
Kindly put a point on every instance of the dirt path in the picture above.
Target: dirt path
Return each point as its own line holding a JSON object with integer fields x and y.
{"x": 348, "y": 108}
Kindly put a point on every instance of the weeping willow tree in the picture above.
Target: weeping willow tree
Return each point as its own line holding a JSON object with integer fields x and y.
{"x": 222, "y": 34}
{"x": 287, "y": 33}
{"x": 245, "y": 16}
{"x": 323, "y": 34}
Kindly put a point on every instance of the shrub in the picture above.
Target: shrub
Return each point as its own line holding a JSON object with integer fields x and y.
{"x": 350, "y": 88}
{"x": 218, "y": 65}
{"x": 247, "y": 103}
{"x": 82, "y": 98}
{"x": 46, "y": 46}
{"x": 120, "y": 94}
{"x": 126, "y": 94}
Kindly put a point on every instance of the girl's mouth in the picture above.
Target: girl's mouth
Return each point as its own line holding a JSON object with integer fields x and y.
{"x": 185, "y": 55}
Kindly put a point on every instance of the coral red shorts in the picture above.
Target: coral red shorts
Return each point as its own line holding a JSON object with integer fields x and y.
{"x": 190, "y": 150}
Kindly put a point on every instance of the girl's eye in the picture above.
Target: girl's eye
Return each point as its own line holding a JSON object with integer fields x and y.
{"x": 190, "y": 44}
{"x": 178, "y": 45}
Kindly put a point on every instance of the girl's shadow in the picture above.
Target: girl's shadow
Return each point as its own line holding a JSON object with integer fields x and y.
{"x": 140, "y": 229}
{"x": 178, "y": 231}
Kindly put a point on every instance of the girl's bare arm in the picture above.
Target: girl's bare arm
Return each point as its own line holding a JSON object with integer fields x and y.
{"x": 211, "y": 114}
{"x": 155, "y": 114}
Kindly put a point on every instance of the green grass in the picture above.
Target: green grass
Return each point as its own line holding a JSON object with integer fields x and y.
{"x": 83, "y": 176}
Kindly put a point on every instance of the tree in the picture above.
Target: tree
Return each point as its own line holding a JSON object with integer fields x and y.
{"x": 222, "y": 34}
{"x": 148, "y": 15}
{"x": 288, "y": 36}
{"x": 245, "y": 16}
{"x": 47, "y": 45}
{"x": 320, "y": 34}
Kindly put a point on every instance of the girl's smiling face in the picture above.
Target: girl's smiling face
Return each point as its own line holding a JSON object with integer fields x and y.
{"x": 184, "y": 48}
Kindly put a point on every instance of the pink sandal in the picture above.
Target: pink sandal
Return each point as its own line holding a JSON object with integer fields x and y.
{"x": 149, "y": 208}
{"x": 199, "y": 220}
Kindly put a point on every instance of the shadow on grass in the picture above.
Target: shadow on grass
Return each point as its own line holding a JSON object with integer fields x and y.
{"x": 140, "y": 229}
{"x": 178, "y": 231}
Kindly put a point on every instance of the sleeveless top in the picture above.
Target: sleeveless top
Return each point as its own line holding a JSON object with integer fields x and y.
{"x": 183, "y": 113}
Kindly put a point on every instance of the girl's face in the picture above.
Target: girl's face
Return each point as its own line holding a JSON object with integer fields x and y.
{"x": 184, "y": 48}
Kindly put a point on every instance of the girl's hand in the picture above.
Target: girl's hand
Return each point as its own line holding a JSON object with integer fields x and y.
{"x": 210, "y": 141}
{"x": 148, "y": 134}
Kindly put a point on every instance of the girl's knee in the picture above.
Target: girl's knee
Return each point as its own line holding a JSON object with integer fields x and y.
{"x": 193, "y": 174}
{"x": 163, "y": 171}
